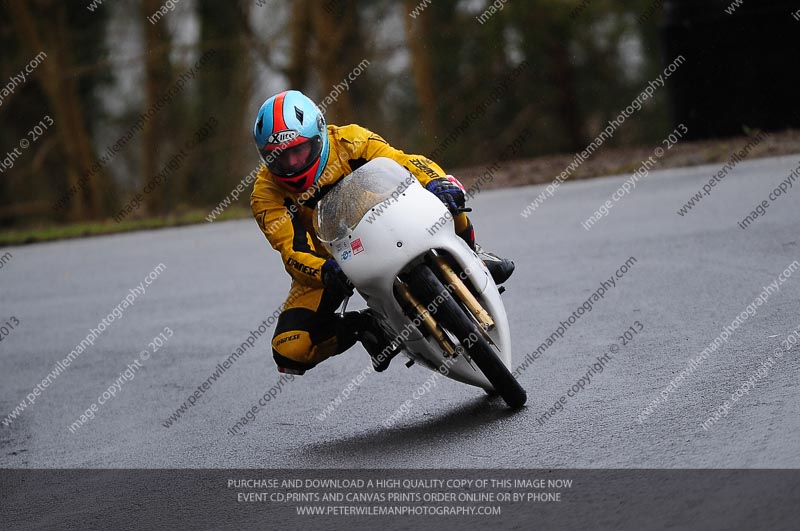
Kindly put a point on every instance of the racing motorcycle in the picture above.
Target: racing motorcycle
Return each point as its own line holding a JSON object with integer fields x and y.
{"x": 396, "y": 243}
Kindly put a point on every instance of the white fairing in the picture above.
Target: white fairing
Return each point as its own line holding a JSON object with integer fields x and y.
{"x": 375, "y": 222}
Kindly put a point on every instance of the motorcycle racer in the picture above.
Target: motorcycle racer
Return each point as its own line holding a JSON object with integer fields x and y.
{"x": 303, "y": 159}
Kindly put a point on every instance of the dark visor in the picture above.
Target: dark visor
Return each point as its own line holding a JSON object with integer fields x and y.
{"x": 286, "y": 162}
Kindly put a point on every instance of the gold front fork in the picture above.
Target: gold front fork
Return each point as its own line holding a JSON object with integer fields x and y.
{"x": 463, "y": 293}
{"x": 428, "y": 321}
{"x": 455, "y": 284}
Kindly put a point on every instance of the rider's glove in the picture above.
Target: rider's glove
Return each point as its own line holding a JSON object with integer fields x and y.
{"x": 450, "y": 194}
{"x": 335, "y": 281}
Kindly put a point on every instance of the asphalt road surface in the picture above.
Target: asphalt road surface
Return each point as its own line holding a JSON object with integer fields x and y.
{"x": 692, "y": 275}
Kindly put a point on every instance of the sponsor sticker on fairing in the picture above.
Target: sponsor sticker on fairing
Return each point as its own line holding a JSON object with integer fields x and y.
{"x": 342, "y": 247}
{"x": 357, "y": 246}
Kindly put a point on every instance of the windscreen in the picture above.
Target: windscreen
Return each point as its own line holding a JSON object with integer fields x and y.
{"x": 343, "y": 207}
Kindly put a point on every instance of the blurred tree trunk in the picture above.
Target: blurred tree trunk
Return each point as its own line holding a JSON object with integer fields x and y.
{"x": 557, "y": 34}
{"x": 563, "y": 79}
{"x": 51, "y": 34}
{"x": 157, "y": 76}
{"x": 299, "y": 29}
{"x": 224, "y": 90}
{"x": 420, "y": 39}
{"x": 242, "y": 115}
{"x": 339, "y": 49}
{"x": 548, "y": 32}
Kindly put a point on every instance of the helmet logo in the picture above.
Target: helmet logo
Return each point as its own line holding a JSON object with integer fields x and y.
{"x": 281, "y": 137}
{"x": 298, "y": 113}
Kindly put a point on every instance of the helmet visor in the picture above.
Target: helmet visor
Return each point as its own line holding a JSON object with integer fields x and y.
{"x": 288, "y": 161}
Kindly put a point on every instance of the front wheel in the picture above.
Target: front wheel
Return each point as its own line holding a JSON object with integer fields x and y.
{"x": 450, "y": 315}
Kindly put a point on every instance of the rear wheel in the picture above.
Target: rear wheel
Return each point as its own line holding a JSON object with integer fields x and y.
{"x": 450, "y": 315}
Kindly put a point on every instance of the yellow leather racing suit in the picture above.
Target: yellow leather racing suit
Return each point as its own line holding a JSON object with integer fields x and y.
{"x": 307, "y": 331}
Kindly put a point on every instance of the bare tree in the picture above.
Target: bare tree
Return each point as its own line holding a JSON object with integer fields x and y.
{"x": 299, "y": 30}
{"x": 157, "y": 76}
{"x": 418, "y": 32}
{"x": 339, "y": 49}
{"x": 49, "y": 31}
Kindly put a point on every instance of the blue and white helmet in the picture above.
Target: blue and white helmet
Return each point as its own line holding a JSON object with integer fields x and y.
{"x": 292, "y": 138}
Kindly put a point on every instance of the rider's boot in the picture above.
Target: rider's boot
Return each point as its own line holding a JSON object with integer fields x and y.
{"x": 500, "y": 268}
{"x": 376, "y": 341}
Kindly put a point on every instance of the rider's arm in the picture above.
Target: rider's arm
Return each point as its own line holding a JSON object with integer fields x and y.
{"x": 364, "y": 144}
{"x": 277, "y": 217}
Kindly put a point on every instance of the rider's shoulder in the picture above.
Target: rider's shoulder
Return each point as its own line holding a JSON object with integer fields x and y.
{"x": 351, "y": 133}
{"x": 265, "y": 187}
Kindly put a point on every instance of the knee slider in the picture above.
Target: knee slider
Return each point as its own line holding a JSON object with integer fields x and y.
{"x": 293, "y": 349}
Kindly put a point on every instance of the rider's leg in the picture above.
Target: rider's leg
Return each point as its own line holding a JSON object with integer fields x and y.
{"x": 499, "y": 268}
{"x": 308, "y": 330}
{"x": 464, "y": 229}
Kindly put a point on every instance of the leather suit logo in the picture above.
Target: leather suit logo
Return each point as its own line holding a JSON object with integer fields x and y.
{"x": 287, "y": 339}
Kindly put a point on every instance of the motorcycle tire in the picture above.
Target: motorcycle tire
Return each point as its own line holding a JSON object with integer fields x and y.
{"x": 427, "y": 287}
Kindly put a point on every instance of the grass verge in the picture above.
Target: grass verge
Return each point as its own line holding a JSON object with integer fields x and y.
{"x": 98, "y": 228}
{"x": 609, "y": 161}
